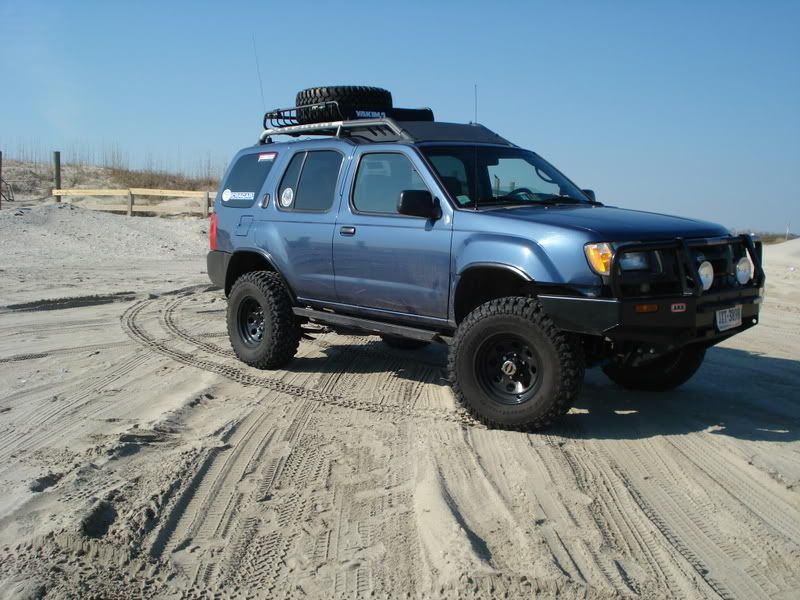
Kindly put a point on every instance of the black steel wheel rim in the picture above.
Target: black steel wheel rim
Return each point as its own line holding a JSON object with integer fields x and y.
{"x": 507, "y": 368}
{"x": 251, "y": 321}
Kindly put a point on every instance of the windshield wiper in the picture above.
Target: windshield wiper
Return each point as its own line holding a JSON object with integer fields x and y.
{"x": 571, "y": 200}
{"x": 507, "y": 200}
{"x": 563, "y": 200}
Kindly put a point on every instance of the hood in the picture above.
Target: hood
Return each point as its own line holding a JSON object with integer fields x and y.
{"x": 610, "y": 224}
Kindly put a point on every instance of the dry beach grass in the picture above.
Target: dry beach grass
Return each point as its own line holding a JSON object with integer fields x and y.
{"x": 139, "y": 458}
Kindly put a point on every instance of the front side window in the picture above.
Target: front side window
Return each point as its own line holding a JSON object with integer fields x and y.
{"x": 493, "y": 176}
{"x": 453, "y": 174}
{"x": 309, "y": 182}
{"x": 380, "y": 179}
{"x": 246, "y": 178}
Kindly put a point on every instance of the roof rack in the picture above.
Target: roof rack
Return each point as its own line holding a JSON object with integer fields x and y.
{"x": 396, "y": 125}
{"x": 372, "y": 125}
{"x": 374, "y": 129}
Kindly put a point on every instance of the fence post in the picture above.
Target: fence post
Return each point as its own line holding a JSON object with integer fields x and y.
{"x": 57, "y": 172}
{"x": 130, "y": 203}
{"x": 205, "y": 205}
{"x": 1, "y": 179}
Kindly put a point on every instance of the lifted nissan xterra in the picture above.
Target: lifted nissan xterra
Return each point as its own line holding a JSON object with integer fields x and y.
{"x": 383, "y": 220}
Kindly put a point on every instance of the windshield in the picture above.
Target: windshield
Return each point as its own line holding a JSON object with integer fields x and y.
{"x": 500, "y": 177}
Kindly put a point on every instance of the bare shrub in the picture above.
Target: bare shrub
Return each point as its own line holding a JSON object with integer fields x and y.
{"x": 127, "y": 178}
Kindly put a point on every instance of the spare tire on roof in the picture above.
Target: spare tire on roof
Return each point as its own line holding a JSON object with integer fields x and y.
{"x": 353, "y": 102}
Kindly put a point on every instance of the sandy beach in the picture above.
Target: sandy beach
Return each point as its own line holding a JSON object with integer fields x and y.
{"x": 139, "y": 458}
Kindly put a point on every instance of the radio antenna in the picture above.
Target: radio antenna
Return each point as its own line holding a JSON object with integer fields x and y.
{"x": 476, "y": 103}
{"x": 258, "y": 72}
{"x": 475, "y": 163}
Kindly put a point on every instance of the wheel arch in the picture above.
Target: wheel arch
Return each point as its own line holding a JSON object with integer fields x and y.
{"x": 246, "y": 260}
{"x": 481, "y": 282}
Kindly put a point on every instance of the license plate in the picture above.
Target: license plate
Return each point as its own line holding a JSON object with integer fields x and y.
{"x": 728, "y": 318}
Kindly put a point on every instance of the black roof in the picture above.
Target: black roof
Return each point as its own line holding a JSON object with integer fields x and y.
{"x": 427, "y": 131}
{"x": 390, "y": 130}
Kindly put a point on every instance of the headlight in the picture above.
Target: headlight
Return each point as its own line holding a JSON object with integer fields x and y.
{"x": 706, "y": 272}
{"x": 599, "y": 257}
{"x": 634, "y": 261}
{"x": 744, "y": 270}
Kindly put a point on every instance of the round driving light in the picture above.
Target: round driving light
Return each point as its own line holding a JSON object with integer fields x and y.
{"x": 744, "y": 270}
{"x": 706, "y": 272}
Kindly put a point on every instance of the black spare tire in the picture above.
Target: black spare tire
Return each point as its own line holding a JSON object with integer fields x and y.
{"x": 352, "y": 102}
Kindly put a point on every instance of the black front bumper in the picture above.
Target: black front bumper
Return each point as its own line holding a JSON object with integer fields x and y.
{"x": 664, "y": 321}
{"x": 217, "y": 264}
{"x": 676, "y": 322}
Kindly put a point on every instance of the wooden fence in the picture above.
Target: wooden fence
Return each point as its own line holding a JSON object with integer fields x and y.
{"x": 132, "y": 193}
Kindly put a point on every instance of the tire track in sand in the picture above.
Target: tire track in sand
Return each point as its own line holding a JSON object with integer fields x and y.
{"x": 130, "y": 324}
{"x": 627, "y": 534}
{"x": 366, "y": 346}
{"x": 260, "y": 533}
{"x": 685, "y": 526}
{"x": 34, "y": 429}
{"x": 213, "y": 501}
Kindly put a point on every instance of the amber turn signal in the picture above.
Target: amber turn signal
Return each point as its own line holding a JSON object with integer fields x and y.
{"x": 646, "y": 308}
{"x": 599, "y": 257}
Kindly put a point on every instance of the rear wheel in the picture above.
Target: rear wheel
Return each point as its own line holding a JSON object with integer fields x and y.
{"x": 403, "y": 343}
{"x": 661, "y": 374}
{"x": 511, "y": 367}
{"x": 261, "y": 325}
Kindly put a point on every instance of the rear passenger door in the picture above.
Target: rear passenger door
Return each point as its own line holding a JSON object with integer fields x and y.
{"x": 299, "y": 222}
{"x": 388, "y": 261}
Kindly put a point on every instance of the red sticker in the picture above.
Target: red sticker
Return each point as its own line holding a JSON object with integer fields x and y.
{"x": 678, "y": 307}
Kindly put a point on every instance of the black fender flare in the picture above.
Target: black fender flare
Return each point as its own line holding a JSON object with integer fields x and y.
{"x": 243, "y": 259}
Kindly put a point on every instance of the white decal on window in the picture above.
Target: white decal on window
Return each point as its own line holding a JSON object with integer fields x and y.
{"x": 243, "y": 195}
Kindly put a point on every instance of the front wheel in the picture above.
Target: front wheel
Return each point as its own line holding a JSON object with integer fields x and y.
{"x": 512, "y": 368}
{"x": 661, "y": 374}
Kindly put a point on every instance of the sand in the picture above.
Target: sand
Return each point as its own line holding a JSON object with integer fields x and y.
{"x": 139, "y": 458}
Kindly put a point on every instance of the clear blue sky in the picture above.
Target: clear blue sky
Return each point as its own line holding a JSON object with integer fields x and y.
{"x": 684, "y": 107}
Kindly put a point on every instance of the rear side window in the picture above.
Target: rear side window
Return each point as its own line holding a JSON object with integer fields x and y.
{"x": 309, "y": 182}
{"x": 380, "y": 179}
{"x": 288, "y": 188}
{"x": 246, "y": 178}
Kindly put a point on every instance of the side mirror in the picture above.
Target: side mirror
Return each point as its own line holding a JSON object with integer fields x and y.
{"x": 418, "y": 203}
{"x": 590, "y": 194}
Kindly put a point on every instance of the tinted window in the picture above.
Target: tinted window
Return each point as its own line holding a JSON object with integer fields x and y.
{"x": 288, "y": 188}
{"x": 317, "y": 185}
{"x": 310, "y": 181}
{"x": 246, "y": 178}
{"x": 492, "y": 176}
{"x": 453, "y": 174}
{"x": 380, "y": 179}
{"x": 510, "y": 174}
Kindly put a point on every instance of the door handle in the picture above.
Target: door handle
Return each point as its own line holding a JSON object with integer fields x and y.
{"x": 347, "y": 230}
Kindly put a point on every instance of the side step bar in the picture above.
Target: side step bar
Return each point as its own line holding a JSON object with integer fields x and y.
{"x": 330, "y": 318}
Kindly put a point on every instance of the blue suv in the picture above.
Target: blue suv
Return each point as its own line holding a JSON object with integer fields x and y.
{"x": 383, "y": 220}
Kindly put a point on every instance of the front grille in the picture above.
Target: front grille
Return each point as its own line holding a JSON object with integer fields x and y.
{"x": 673, "y": 267}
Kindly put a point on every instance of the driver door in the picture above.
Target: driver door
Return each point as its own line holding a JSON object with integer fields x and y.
{"x": 383, "y": 260}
